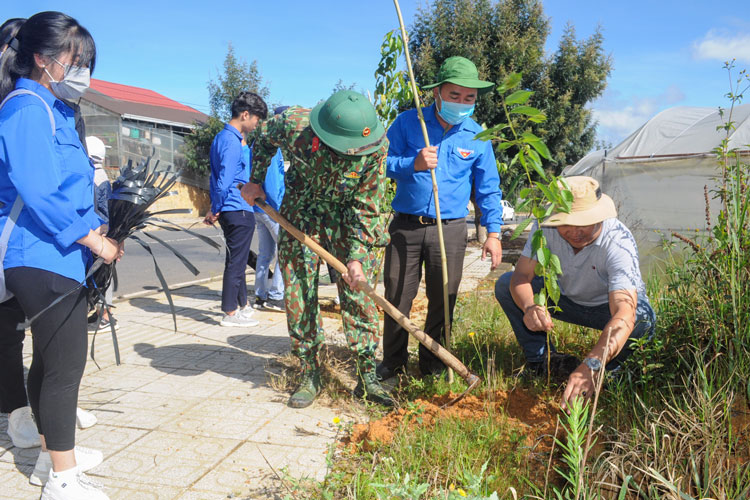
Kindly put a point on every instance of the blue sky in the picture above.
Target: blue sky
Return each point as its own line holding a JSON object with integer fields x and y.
{"x": 665, "y": 53}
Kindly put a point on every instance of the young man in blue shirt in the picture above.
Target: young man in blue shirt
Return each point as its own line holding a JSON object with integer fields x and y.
{"x": 460, "y": 162}
{"x": 229, "y": 168}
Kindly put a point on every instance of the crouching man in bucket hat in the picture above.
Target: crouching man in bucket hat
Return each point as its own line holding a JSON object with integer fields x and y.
{"x": 335, "y": 187}
{"x": 601, "y": 288}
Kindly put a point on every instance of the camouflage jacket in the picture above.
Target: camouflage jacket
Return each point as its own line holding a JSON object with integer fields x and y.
{"x": 322, "y": 186}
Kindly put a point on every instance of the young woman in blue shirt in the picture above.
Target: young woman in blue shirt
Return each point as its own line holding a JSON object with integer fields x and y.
{"x": 56, "y": 232}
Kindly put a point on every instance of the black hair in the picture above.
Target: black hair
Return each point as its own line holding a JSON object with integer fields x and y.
{"x": 9, "y": 29}
{"x": 49, "y": 34}
{"x": 251, "y": 102}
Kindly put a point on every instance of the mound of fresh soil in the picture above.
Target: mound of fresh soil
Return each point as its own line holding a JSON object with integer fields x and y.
{"x": 533, "y": 416}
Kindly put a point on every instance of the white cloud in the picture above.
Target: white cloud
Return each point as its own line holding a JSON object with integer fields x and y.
{"x": 617, "y": 117}
{"x": 723, "y": 46}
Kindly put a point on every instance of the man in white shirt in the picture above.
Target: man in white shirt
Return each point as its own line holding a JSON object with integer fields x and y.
{"x": 601, "y": 287}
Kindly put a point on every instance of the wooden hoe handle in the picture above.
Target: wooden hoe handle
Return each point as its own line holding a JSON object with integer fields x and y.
{"x": 441, "y": 352}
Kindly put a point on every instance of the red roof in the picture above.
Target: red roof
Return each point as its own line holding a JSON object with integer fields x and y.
{"x": 137, "y": 95}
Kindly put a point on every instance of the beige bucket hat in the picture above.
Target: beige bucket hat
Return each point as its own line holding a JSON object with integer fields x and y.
{"x": 590, "y": 206}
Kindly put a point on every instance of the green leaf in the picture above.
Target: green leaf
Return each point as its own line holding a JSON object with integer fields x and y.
{"x": 553, "y": 289}
{"x": 539, "y": 212}
{"x": 518, "y": 97}
{"x": 537, "y": 167}
{"x": 541, "y": 117}
{"x": 534, "y": 156}
{"x": 529, "y": 137}
{"x": 512, "y": 81}
{"x": 546, "y": 191}
{"x": 541, "y": 256}
{"x": 541, "y": 148}
{"x": 525, "y": 192}
{"x": 504, "y": 145}
{"x": 521, "y": 228}
{"x": 525, "y": 110}
{"x": 490, "y": 132}
{"x": 554, "y": 264}
{"x": 537, "y": 240}
{"x": 540, "y": 299}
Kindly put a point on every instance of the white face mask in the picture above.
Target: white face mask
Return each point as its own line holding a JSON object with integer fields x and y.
{"x": 75, "y": 81}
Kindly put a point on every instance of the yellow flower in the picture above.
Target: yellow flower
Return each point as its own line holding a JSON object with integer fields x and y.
{"x": 452, "y": 487}
{"x": 471, "y": 334}
{"x": 461, "y": 492}
{"x": 336, "y": 420}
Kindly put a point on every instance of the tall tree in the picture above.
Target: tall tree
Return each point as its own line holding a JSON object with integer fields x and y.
{"x": 340, "y": 85}
{"x": 238, "y": 76}
{"x": 508, "y": 36}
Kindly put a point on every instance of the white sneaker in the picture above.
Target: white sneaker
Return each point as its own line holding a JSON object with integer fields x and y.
{"x": 22, "y": 429}
{"x": 72, "y": 484}
{"x": 238, "y": 319}
{"x": 85, "y": 419}
{"x": 248, "y": 311}
{"x": 86, "y": 459}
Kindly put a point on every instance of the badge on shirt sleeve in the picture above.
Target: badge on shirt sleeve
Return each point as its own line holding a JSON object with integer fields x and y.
{"x": 351, "y": 175}
{"x": 465, "y": 153}
{"x": 315, "y": 144}
{"x": 382, "y": 164}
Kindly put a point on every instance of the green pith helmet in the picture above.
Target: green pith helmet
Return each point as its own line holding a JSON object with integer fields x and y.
{"x": 347, "y": 123}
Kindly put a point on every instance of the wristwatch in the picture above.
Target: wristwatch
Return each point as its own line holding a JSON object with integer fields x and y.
{"x": 593, "y": 363}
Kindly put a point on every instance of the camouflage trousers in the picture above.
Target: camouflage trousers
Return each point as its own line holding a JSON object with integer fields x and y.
{"x": 300, "y": 267}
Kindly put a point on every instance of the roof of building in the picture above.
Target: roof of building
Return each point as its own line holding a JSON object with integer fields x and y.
{"x": 137, "y": 103}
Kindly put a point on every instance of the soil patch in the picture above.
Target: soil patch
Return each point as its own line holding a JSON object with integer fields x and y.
{"x": 533, "y": 416}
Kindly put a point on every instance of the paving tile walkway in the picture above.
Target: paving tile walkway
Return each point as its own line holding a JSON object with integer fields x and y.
{"x": 191, "y": 415}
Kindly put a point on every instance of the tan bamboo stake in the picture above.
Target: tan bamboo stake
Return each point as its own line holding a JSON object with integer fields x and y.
{"x": 438, "y": 350}
{"x": 443, "y": 259}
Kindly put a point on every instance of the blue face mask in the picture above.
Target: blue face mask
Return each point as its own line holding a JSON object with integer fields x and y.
{"x": 454, "y": 112}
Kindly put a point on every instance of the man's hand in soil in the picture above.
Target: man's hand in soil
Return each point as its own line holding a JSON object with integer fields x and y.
{"x": 580, "y": 384}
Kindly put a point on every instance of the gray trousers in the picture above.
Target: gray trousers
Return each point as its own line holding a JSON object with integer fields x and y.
{"x": 413, "y": 245}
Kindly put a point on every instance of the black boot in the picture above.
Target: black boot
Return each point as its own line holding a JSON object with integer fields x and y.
{"x": 369, "y": 388}
{"x": 308, "y": 389}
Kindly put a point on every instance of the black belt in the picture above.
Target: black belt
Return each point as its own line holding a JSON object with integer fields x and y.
{"x": 421, "y": 219}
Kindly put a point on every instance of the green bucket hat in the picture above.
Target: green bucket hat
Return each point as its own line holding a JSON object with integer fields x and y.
{"x": 347, "y": 123}
{"x": 463, "y": 72}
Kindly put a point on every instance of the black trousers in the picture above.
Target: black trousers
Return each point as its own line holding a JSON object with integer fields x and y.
{"x": 412, "y": 246}
{"x": 238, "y": 227}
{"x": 59, "y": 354}
{"x": 12, "y": 385}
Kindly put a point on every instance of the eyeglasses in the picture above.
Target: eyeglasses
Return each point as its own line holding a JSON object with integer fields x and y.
{"x": 66, "y": 67}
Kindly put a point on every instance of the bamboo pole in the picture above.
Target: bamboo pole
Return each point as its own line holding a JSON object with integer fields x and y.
{"x": 441, "y": 352}
{"x": 443, "y": 259}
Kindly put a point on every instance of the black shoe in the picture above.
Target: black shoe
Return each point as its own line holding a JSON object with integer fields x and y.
{"x": 531, "y": 370}
{"x": 274, "y": 305}
{"x": 384, "y": 373}
{"x": 561, "y": 365}
{"x": 369, "y": 388}
{"x": 259, "y": 303}
{"x": 104, "y": 325}
{"x": 93, "y": 318}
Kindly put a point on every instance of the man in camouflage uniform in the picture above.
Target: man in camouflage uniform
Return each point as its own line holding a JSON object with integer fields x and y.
{"x": 334, "y": 190}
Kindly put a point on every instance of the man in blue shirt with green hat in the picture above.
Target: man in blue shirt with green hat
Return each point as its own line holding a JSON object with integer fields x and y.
{"x": 460, "y": 162}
